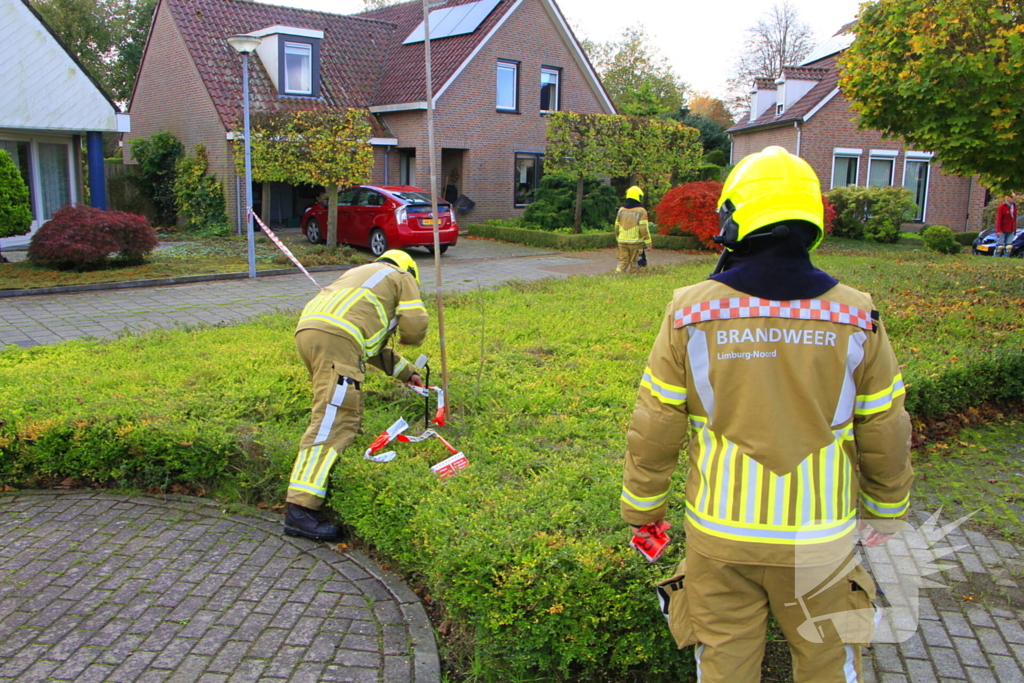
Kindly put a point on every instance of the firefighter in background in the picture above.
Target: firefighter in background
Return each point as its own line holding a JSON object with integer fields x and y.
{"x": 339, "y": 331}
{"x": 787, "y": 386}
{"x": 631, "y": 231}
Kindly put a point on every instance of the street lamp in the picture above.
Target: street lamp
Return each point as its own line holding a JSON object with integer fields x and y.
{"x": 245, "y": 44}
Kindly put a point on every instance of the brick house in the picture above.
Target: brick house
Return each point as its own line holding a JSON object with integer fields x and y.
{"x": 49, "y": 104}
{"x": 805, "y": 112}
{"x": 498, "y": 67}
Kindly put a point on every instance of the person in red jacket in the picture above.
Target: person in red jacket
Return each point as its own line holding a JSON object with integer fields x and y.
{"x": 1006, "y": 227}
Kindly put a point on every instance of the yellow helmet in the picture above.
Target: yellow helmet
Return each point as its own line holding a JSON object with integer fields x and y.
{"x": 402, "y": 260}
{"x": 635, "y": 193}
{"x": 770, "y": 186}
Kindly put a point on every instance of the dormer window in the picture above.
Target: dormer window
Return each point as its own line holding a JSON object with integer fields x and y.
{"x": 779, "y": 108}
{"x": 291, "y": 57}
{"x": 298, "y": 68}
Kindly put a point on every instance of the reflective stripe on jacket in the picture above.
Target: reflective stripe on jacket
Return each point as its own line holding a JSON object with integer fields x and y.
{"x": 368, "y": 303}
{"x": 631, "y": 226}
{"x": 793, "y": 410}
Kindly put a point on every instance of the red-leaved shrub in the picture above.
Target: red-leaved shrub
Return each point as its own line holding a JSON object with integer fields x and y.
{"x": 830, "y": 214}
{"x": 82, "y": 237}
{"x": 690, "y": 210}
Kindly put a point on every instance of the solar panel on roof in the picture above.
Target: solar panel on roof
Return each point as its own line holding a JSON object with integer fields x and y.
{"x": 454, "y": 21}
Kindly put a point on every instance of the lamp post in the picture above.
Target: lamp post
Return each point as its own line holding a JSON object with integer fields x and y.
{"x": 245, "y": 44}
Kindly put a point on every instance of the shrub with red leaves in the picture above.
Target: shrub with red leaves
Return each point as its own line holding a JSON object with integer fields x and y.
{"x": 690, "y": 210}
{"x": 82, "y": 237}
{"x": 830, "y": 214}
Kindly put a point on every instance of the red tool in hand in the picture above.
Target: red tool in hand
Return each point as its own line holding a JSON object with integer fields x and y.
{"x": 653, "y": 545}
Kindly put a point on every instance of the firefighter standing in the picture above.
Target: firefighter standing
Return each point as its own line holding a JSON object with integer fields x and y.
{"x": 793, "y": 400}
{"x": 339, "y": 331}
{"x": 631, "y": 231}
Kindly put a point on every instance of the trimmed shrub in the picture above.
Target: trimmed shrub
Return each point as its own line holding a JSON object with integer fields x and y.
{"x": 157, "y": 157}
{"x": 568, "y": 242}
{"x": 870, "y": 213}
{"x": 198, "y": 197}
{"x": 716, "y": 157}
{"x": 988, "y": 214}
{"x": 80, "y": 237}
{"x": 965, "y": 239}
{"x": 940, "y": 238}
{"x": 690, "y": 210}
{"x": 555, "y": 206}
{"x": 15, "y": 210}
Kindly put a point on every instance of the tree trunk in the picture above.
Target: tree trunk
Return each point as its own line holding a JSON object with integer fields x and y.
{"x": 332, "y": 216}
{"x": 577, "y": 221}
{"x": 265, "y": 208}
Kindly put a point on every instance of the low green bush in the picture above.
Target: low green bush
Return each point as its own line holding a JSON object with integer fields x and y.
{"x": 570, "y": 242}
{"x": 965, "y": 239}
{"x": 940, "y": 238}
{"x": 870, "y": 213}
{"x": 524, "y": 551}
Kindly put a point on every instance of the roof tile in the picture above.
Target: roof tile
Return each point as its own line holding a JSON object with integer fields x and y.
{"x": 829, "y": 78}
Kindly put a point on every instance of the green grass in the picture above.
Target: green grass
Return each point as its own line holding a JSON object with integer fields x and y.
{"x": 525, "y": 550}
{"x": 199, "y": 257}
{"x": 979, "y": 471}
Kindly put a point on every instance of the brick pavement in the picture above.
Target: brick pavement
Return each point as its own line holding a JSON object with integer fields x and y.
{"x": 103, "y": 588}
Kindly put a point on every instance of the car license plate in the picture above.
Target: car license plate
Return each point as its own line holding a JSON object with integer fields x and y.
{"x": 427, "y": 221}
{"x": 982, "y": 247}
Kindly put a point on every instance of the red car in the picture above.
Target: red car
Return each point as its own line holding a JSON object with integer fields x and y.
{"x": 383, "y": 217}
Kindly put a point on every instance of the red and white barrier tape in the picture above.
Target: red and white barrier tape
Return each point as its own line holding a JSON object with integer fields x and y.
{"x": 287, "y": 252}
{"x": 444, "y": 469}
{"x": 425, "y": 391}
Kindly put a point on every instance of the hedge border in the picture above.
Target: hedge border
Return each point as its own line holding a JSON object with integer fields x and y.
{"x": 566, "y": 242}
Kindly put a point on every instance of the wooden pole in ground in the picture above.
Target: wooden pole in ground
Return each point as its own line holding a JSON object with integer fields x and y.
{"x": 435, "y": 217}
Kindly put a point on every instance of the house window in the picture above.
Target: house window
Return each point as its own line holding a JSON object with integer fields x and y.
{"x": 54, "y": 177}
{"x": 298, "y": 68}
{"x": 915, "y": 179}
{"x": 881, "y": 166}
{"x": 527, "y": 177}
{"x": 508, "y": 86}
{"x": 550, "y": 79}
{"x": 845, "y": 164}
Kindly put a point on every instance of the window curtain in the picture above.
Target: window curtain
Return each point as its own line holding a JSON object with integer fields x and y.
{"x": 53, "y": 177}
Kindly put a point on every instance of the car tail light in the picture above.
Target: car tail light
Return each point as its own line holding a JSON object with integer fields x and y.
{"x": 400, "y": 215}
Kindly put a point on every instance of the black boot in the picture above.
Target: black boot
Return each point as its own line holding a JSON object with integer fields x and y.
{"x": 300, "y": 521}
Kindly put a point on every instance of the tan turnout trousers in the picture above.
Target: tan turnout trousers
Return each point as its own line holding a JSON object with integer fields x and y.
{"x": 725, "y": 618}
{"x": 337, "y": 414}
{"x": 628, "y": 254}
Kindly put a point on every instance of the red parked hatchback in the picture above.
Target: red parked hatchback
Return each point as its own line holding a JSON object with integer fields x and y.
{"x": 383, "y": 217}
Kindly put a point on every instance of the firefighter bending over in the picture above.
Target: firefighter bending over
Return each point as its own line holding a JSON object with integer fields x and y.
{"x": 339, "y": 331}
{"x": 792, "y": 398}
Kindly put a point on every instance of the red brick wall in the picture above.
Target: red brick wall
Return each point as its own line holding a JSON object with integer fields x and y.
{"x": 170, "y": 96}
{"x": 953, "y": 201}
{"x": 466, "y": 119}
{"x": 749, "y": 143}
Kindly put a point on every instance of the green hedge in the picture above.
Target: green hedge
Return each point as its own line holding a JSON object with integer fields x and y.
{"x": 524, "y": 551}
{"x": 569, "y": 242}
{"x": 965, "y": 239}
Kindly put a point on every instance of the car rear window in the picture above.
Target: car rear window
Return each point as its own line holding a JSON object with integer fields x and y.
{"x": 413, "y": 197}
{"x": 425, "y": 208}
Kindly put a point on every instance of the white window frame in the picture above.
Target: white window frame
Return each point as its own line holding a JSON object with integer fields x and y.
{"x": 557, "y": 73}
{"x": 846, "y": 153}
{"x": 306, "y": 50}
{"x": 35, "y": 174}
{"x": 920, "y": 157}
{"x": 513, "y": 67}
{"x": 883, "y": 155}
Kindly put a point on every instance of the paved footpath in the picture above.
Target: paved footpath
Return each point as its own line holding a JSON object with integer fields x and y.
{"x": 97, "y": 587}
{"x": 104, "y": 588}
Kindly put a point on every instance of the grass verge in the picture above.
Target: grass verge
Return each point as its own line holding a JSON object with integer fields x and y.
{"x": 524, "y": 551}
{"x": 201, "y": 257}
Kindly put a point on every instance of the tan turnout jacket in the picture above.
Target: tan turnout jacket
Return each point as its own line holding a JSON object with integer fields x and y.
{"x": 793, "y": 410}
{"x": 368, "y": 304}
{"x": 631, "y": 226}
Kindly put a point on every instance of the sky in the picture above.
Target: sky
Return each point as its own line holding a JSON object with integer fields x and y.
{"x": 700, "y": 38}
